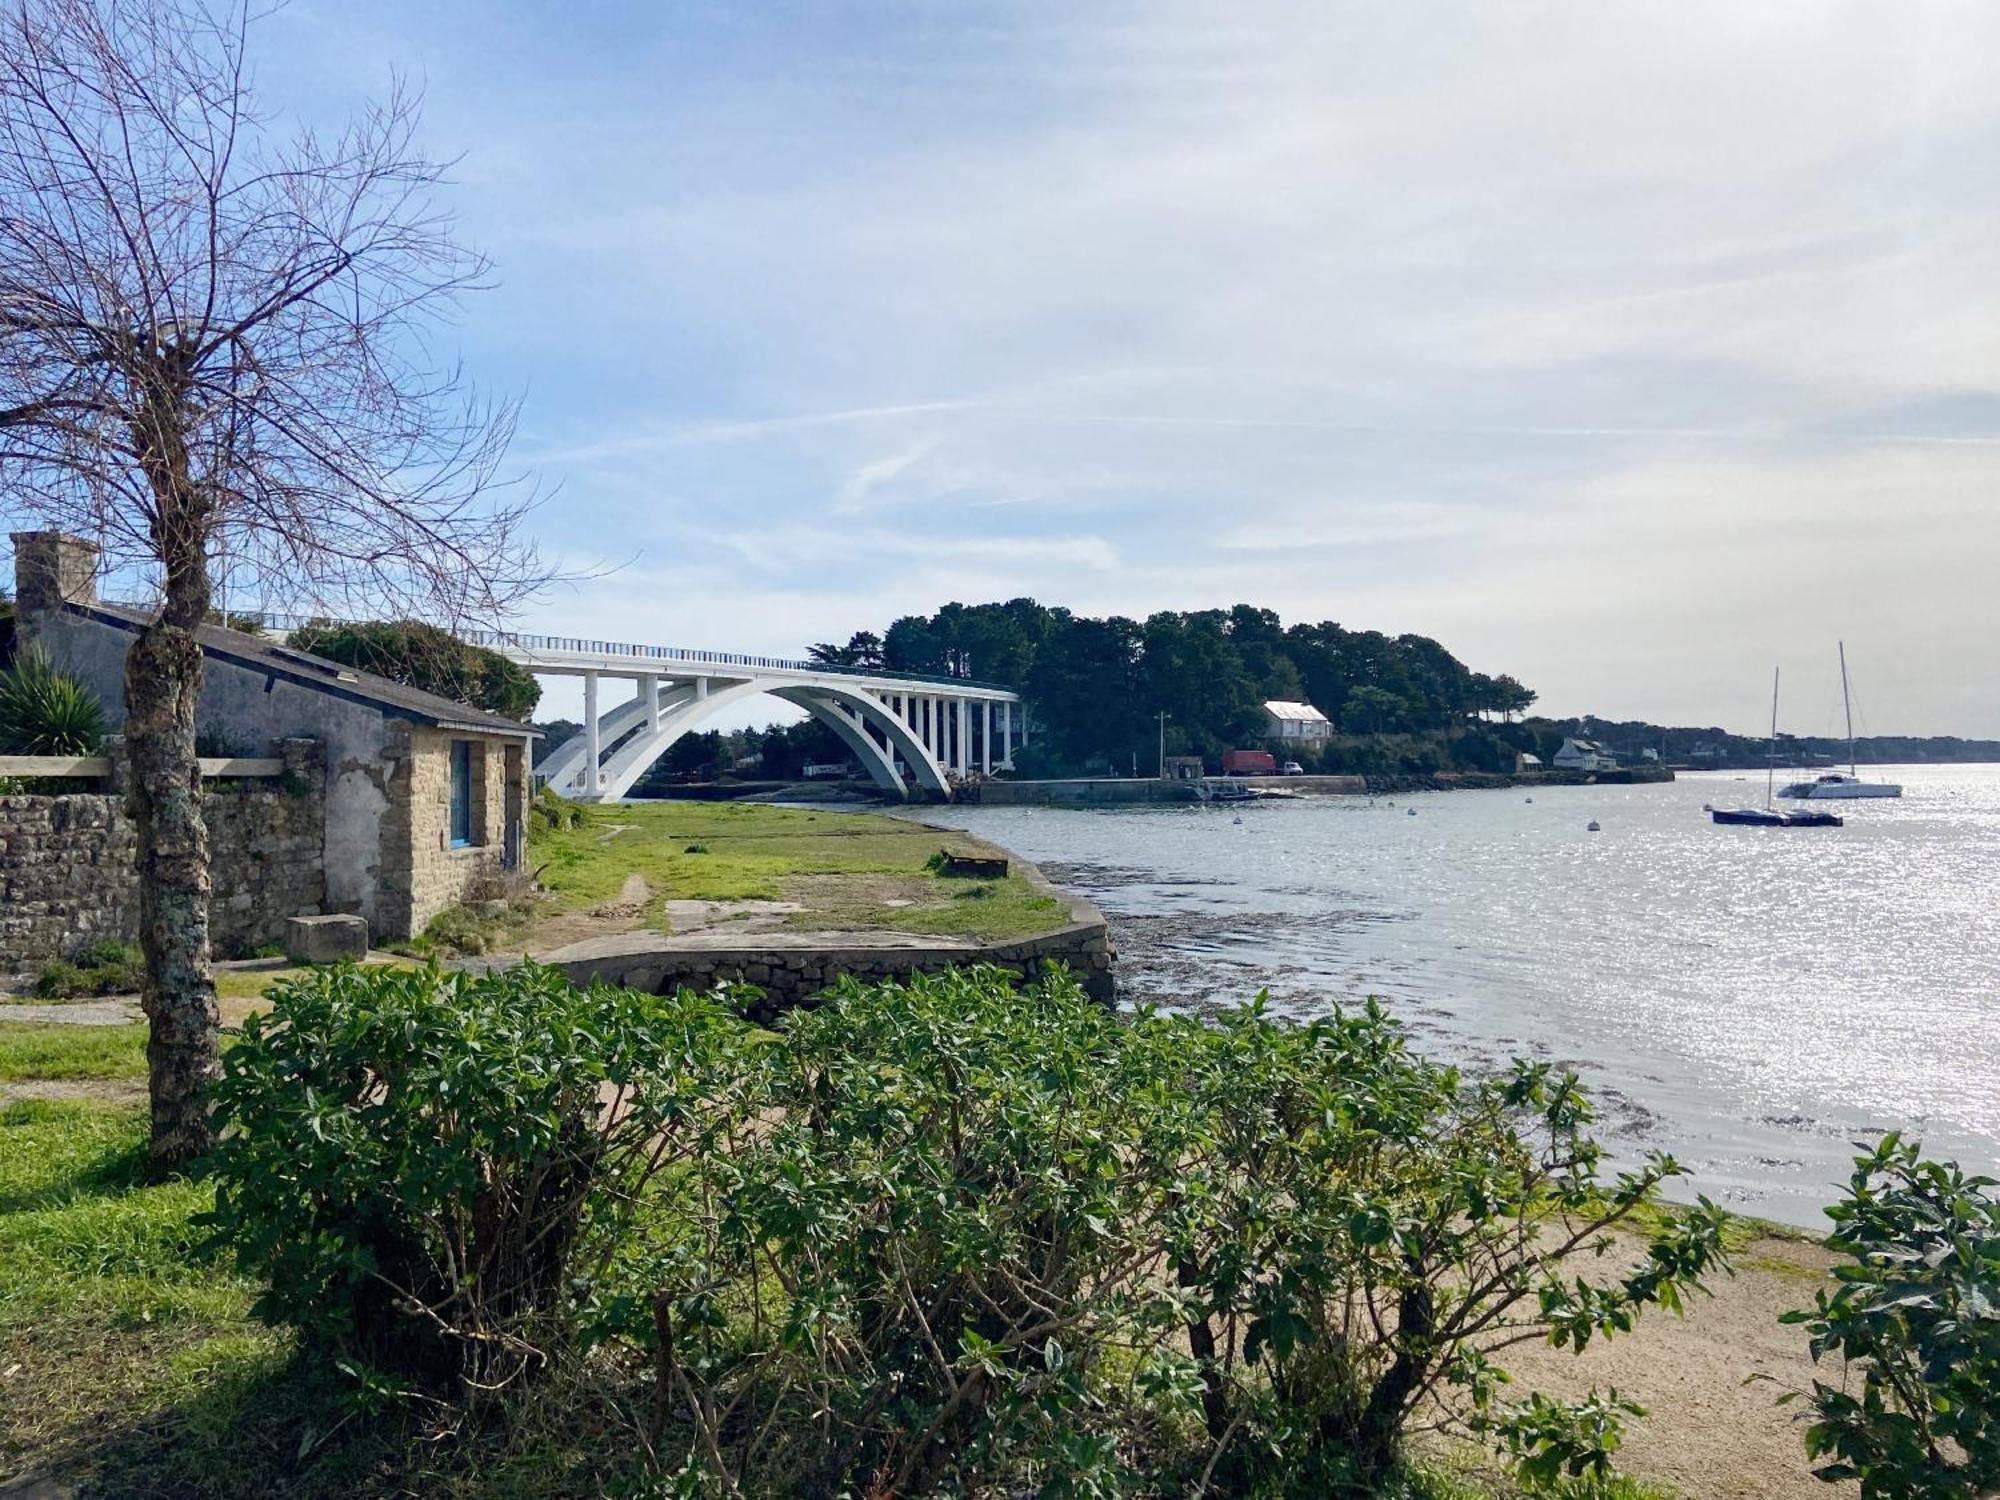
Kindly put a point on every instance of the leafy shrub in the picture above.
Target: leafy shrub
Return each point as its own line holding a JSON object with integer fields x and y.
{"x": 555, "y": 811}
{"x": 61, "y": 980}
{"x": 423, "y": 656}
{"x": 1000, "y": 1239}
{"x": 46, "y": 712}
{"x": 1916, "y": 1319}
{"x": 426, "y": 1167}
{"x": 909, "y": 1282}
{"x": 1355, "y": 1230}
{"x": 104, "y": 967}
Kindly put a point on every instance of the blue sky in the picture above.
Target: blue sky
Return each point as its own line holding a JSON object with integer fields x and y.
{"x": 1625, "y": 348}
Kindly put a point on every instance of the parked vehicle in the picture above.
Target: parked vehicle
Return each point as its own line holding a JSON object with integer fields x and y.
{"x": 1249, "y": 763}
{"x": 1291, "y": 768}
{"x": 826, "y": 770}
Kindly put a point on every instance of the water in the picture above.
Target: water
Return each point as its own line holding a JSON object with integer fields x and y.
{"x": 1753, "y": 1000}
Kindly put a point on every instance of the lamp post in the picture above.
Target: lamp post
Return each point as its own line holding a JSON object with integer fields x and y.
{"x": 1163, "y": 744}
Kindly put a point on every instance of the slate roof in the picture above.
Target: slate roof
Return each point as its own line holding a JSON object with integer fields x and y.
{"x": 321, "y": 675}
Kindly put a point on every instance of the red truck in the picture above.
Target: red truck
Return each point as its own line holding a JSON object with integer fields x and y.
{"x": 1249, "y": 763}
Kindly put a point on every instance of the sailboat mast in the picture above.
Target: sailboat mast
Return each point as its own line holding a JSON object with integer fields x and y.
{"x": 1847, "y": 705}
{"x": 1771, "y": 749}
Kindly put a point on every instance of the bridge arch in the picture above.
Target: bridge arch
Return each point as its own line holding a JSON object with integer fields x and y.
{"x": 849, "y": 711}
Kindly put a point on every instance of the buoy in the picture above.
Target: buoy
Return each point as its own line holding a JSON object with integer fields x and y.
{"x": 1237, "y": 819}
{"x": 1531, "y": 799}
{"x": 1413, "y": 812}
{"x": 1592, "y": 825}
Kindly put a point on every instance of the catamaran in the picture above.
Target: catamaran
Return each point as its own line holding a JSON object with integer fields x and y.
{"x": 1768, "y": 816}
{"x": 1833, "y": 785}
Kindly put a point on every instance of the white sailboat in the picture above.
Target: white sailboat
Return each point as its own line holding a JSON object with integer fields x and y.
{"x": 1833, "y": 786}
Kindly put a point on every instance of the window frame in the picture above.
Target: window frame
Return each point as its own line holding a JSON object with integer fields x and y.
{"x": 460, "y": 824}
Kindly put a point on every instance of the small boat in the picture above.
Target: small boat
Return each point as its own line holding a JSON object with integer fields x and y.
{"x": 1593, "y": 826}
{"x": 1768, "y": 816}
{"x": 1833, "y": 786}
{"x": 1754, "y": 817}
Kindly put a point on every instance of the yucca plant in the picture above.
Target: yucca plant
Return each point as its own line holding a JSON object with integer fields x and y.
{"x": 46, "y": 712}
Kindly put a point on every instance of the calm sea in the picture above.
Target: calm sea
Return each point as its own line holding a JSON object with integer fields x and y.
{"x": 1752, "y": 1000}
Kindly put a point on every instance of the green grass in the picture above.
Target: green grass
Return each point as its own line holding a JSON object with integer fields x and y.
{"x": 753, "y": 852}
{"x": 66, "y": 1053}
{"x": 132, "y": 1359}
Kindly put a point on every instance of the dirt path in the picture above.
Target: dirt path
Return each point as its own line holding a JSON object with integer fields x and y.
{"x": 1707, "y": 1433}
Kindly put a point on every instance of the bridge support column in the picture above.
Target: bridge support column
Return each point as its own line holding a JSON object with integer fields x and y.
{"x": 594, "y": 745}
{"x": 986, "y": 736}
{"x": 652, "y": 705}
{"x": 963, "y": 749}
{"x": 1007, "y": 735}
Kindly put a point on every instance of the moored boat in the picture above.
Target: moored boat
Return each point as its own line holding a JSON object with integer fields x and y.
{"x": 1833, "y": 786}
{"x": 1768, "y": 816}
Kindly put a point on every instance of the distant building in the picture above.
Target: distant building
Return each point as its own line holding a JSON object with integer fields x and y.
{"x": 1295, "y": 721}
{"x": 1183, "y": 768}
{"x": 1584, "y": 755}
{"x": 1523, "y": 762}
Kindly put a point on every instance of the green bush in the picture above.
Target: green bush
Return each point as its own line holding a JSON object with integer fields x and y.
{"x": 911, "y": 1281}
{"x": 423, "y": 656}
{"x": 555, "y": 811}
{"x": 1915, "y": 1317}
{"x": 104, "y": 967}
{"x": 1353, "y": 1230}
{"x": 1005, "y": 1240}
{"x": 946, "y": 1236}
{"x": 428, "y": 1168}
{"x": 44, "y": 711}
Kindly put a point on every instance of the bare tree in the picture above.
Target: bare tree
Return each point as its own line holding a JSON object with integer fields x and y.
{"x": 215, "y": 340}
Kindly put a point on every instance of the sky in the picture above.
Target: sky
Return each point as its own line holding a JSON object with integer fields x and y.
{"x": 1629, "y": 349}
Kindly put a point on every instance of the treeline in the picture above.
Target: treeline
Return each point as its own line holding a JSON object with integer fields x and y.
{"x": 1096, "y": 687}
{"x": 1711, "y": 746}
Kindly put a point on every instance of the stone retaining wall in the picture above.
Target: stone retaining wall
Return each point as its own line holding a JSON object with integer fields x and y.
{"x": 791, "y": 976}
{"x": 67, "y": 864}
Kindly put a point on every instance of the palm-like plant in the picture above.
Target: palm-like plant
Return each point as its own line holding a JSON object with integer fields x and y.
{"x": 46, "y": 712}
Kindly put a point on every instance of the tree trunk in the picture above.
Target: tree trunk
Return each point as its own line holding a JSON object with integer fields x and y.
{"x": 163, "y": 674}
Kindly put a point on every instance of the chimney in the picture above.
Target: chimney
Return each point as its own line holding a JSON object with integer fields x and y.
{"x": 51, "y": 569}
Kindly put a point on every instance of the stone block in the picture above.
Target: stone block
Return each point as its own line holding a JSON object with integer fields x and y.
{"x": 325, "y": 940}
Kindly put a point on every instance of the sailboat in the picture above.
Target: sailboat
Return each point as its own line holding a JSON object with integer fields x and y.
{"x": 1833, "y": 785}
{"x": 1768, "y": 816}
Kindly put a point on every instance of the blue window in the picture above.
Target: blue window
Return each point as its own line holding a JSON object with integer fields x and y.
{"x": 461, "y": 793}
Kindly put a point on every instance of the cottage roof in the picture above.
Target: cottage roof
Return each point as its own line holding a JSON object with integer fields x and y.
{"x": 316, "y": 672}
{"x": 1280, "y": 708}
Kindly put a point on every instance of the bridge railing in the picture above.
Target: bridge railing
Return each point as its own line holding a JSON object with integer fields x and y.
{"x": 284, "y": 624}
{"x": 584, "y": 647}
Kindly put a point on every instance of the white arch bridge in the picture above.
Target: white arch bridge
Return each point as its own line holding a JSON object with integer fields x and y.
{"x": 908, "y": 732}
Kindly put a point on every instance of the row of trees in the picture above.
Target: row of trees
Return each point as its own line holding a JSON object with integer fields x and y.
{"x": 1097, "y": 686}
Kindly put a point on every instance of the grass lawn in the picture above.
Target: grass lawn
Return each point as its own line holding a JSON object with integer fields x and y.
{"x": 844, "y": 867}
{"x": 34, "y": 1051}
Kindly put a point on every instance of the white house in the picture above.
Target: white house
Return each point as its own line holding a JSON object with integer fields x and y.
{"x": 1295, "y": 721}
{"x": 1584, "y": 755}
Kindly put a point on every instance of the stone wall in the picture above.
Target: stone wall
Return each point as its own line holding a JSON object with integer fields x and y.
{"x": 67, "y": 864}
{"x": 792, "y": 974}
{"x": 422, "y": 874}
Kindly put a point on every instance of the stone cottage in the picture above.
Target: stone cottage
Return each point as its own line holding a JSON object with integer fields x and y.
{"x": 424, "y": 799}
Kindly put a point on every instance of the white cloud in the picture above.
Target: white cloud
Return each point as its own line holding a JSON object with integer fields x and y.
{"x": 1583, "y": 337}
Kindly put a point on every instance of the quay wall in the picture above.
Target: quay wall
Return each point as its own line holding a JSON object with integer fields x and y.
{"x": 791, "y": 976}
